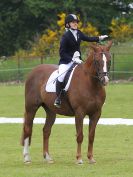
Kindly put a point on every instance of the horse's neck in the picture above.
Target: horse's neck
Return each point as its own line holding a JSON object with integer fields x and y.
{"x": 90, "y": 70}
{"x": 89, "y": 64}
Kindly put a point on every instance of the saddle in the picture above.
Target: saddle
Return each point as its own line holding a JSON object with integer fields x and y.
{"x": 68, "y": 74}
{"x": 51, "y": 83}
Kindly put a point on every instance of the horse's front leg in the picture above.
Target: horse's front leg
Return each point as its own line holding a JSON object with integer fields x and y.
{"x": 79, "y": 130}
{"x": 92, "y": 126}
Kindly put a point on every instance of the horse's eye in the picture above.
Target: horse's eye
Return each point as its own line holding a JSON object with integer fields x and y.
{"x": 97, "y": 62}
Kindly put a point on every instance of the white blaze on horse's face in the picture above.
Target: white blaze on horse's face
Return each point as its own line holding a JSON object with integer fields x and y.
{"x": 105, "y": 69}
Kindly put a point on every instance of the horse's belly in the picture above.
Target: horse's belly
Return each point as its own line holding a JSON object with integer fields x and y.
{"x": 48, "y": 100}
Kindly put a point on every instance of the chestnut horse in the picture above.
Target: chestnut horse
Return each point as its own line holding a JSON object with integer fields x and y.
{"x": 85, "y": 96}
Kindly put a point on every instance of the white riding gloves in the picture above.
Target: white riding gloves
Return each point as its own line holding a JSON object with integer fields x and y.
{"x": 102, "y": 37}
{"x": 76, "y": 58}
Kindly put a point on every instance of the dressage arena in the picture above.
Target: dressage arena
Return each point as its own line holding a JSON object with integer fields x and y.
{"x": 113, "y": 142}
{"x": 102, "y": 121}
{"x": 113, "y": 145}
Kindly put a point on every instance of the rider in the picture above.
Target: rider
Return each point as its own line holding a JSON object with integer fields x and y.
{"x": 70, "y": 50}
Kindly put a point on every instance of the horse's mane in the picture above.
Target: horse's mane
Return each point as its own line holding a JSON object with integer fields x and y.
{"x": 97, "y": 47}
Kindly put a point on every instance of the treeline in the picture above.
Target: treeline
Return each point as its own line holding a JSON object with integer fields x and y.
{"x": 22, "y": 21}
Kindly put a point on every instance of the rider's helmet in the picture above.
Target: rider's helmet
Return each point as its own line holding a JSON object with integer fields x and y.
{"x": 70, "y": 18}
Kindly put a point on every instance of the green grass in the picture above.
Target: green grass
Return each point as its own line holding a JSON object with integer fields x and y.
{"x": 122, "y": 67}
{"x": 113, "y": 152}
{"x": 118, "y": 103}
{"x": 126, "y": 47}
{"x": 11, "y": 69}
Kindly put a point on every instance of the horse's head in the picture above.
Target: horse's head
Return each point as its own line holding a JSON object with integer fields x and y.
{"x": 101, "y": 61}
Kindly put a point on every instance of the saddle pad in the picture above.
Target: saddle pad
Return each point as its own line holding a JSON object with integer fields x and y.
{"x": 51, "y": 83}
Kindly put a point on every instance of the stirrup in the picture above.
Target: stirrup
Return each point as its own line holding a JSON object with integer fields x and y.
{"x": 57, "y": 103}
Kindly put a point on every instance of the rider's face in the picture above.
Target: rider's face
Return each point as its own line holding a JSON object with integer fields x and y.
{"x": 74, "y": 25}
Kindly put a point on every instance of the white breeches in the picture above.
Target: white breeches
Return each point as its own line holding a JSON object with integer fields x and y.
{"x": 63, "y": 68}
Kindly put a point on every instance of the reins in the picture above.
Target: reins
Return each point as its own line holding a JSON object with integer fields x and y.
{"x": 94, "y": 62}
{"x": 97, "y": 70}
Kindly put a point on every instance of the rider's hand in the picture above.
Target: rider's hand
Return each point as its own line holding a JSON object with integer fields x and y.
{"x": 102, "y": 37}
{"x": 76, "y": 58}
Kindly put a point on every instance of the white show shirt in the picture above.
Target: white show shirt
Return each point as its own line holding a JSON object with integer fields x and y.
{"x": 74, "y": 32}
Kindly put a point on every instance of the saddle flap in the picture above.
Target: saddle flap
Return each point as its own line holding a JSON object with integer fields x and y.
{"x": 51, "y": 83}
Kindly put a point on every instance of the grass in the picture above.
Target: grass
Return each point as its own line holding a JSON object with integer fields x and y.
{"x": 12, "y": 69}
{"x": 113, "y": 152}
{"x": 119, "y": 101}
{"x": 126, "y": 47}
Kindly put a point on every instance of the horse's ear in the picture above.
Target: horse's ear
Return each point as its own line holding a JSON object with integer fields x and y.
{"x": 109, "y": 44}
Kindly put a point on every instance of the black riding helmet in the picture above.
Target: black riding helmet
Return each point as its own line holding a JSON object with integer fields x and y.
{"x": 70, "y": 18}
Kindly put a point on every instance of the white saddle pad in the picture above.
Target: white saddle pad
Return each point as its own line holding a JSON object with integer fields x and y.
{"x": 51, "y": 83}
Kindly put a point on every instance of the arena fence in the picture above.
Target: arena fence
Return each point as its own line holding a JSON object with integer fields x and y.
{"x": 17, "y": 69}
{"x": 121, "y": 66}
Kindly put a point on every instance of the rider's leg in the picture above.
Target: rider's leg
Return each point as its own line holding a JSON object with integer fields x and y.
{"x": 59, "y": 88}
{"x": 63, "y": 68}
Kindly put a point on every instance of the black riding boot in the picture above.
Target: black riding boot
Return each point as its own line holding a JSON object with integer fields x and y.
{"x": 59, "y": 88}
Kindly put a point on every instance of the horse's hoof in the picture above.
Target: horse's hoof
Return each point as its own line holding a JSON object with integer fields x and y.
{"x": 79, "y": 162}
{"x": 48, "y": 159}
{"x": 27, "y": 162}
{"x": 92, "y": 161}
{"x": 27, "y": 159}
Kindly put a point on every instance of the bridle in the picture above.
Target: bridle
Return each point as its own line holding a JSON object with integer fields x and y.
{"x": 99, "y": 75}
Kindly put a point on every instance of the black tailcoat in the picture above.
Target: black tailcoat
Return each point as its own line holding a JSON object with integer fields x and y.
{"x": 69, "y": 45}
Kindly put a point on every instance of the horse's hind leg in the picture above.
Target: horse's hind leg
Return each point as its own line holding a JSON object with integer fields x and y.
{"x": 50, "y": 119}
{"x": 27, "y": 132}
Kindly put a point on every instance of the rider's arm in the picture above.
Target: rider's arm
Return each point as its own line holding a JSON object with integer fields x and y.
{"x": 87, "y": 38}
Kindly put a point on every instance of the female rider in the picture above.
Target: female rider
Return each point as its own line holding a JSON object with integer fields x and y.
{"x": 70, "y": 50}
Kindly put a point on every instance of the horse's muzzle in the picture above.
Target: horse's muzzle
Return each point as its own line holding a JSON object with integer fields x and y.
{"x": 104, "y": 80}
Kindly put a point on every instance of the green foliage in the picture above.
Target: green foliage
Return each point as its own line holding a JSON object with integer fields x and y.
{"x": 48, "y": 43}
{"x": 121, "y": 31}
{"x": 22, "y": 20}
{"x": 15, "y": 27}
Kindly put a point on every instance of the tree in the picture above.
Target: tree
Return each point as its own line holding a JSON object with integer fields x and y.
{"x": 48, "y": 43}
{"x": 22, "y": 20}
{"x": 120, "y": 30}
{"x": 16, "y": 27}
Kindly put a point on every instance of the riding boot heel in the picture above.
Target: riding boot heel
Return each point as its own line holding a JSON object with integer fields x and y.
{"x": 57, "y": 102}
{"x": 59, "y": 88}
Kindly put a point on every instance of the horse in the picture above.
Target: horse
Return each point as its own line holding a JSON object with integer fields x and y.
{"x": 85, "y": 97}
